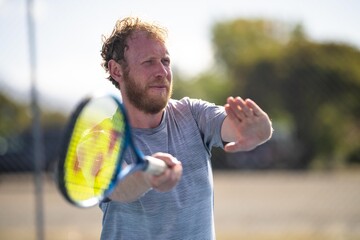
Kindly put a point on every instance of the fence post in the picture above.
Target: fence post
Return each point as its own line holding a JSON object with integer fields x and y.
{"x": 36, "y": 126}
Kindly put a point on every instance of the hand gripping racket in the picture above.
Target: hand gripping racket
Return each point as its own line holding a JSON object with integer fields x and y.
{"x": 92, "y": 156}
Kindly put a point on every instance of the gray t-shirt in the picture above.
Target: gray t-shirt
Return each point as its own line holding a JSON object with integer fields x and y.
{"x": 188, "y": 131}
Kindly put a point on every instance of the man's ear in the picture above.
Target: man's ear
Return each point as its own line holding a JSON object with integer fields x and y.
{"x": 115, "y": 70}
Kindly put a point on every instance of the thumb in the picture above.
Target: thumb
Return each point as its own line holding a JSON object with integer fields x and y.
{"x": 237, "y": 147}
{"x": 231, "y": 147}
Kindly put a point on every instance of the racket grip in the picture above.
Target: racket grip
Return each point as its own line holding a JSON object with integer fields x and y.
{"x": 154, "y": 166}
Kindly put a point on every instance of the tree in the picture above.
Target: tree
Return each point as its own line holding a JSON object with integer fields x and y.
{"x": 14, "y": 116}
{"x": 311, "y": 89}
{"x": 213, "y": 86}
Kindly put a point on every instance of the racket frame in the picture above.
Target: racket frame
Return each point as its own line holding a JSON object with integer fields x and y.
{"x": 60, "y": 174}
{"x": 144, "y": 163}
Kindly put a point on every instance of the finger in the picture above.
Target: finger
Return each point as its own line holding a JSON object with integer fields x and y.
{"x": 257, "y": 111}
{"x": 230, "y": 147}
{"x": 240, "y": 107}
{"x": 235, "y": 104}
{"x": 231, "y": 115}
{"x": 167, "y": 158}
{"x": 158, "y": 181}
{"x": 168, "y": 180}
{"x": 243, "y": 107}
{"x": 236, "y": 147}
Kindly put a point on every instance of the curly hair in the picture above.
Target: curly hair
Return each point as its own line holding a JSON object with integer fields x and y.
{"x": 115, "y": 45}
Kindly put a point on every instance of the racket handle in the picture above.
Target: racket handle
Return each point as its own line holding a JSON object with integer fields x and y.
{"x": 154, "y": 166}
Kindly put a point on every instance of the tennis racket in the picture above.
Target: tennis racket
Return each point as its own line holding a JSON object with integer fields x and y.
{"x": 92, "y": 155}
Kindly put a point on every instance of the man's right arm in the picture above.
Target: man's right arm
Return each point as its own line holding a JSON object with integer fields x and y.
{"x": 137, "y": 184}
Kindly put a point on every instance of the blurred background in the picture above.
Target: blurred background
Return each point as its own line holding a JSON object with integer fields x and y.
{"x": 299, "y": 60}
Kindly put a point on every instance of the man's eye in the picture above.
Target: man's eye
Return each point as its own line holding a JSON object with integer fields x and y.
{"x": 166, "y": 62}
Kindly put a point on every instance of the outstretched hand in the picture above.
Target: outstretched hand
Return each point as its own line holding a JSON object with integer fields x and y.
{"x": 246, "y": 126}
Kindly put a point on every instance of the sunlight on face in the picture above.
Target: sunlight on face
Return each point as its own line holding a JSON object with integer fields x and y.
{"x": 148, "y": 79}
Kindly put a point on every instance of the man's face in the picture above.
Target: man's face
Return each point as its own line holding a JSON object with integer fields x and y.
{"x": 148, "y": 78}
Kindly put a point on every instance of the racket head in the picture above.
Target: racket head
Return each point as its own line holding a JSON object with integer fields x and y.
{"x": 92, "y": 152}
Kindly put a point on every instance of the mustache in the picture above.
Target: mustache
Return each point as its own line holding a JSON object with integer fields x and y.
{"x": 159, "y": 82}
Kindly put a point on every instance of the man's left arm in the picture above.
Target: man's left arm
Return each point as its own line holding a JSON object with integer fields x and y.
{"x": 246, "y": 125}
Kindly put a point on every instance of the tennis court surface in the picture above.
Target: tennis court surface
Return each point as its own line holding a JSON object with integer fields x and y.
{"x": 248, "y": 205}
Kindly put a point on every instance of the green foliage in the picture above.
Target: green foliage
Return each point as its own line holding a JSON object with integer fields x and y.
{"x": 320, "y": 86}
{"x": 242, "y": 43}
{"x": 310, "y": 90}
{"x": 213, "y": 86}
{"x": 14, "y": 117}
{"x": 313, "y": 86}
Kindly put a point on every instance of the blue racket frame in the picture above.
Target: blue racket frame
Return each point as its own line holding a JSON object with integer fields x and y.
{"x": 119, "y": 173}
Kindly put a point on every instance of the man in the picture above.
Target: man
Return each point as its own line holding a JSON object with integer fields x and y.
{"x": 178, "y": 204}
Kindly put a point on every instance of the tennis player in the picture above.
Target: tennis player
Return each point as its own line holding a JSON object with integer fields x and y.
{"x": 179, "y": 203}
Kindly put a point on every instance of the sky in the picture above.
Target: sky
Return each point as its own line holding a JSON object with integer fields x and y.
{"x": 68, "y": 37}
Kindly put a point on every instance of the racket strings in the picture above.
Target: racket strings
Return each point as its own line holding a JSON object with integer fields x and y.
{"x": 93, "y": 155}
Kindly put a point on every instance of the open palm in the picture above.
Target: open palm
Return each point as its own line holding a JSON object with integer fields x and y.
{"x": 250, "y": 125}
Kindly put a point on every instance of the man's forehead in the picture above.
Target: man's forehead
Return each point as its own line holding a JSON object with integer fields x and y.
{"x": 143, "y": 36}
{"x": 141, "y": 40}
